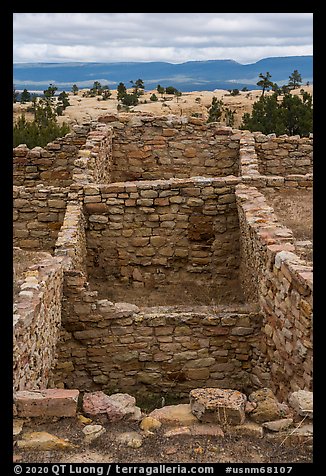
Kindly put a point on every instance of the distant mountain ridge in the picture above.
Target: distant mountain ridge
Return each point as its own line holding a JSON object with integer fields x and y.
{"x": 188, "y": 76}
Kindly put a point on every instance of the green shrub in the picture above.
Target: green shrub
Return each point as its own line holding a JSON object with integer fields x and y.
{"x": 44, "y": 128}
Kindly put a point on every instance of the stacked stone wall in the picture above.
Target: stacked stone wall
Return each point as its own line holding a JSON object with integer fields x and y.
{"x": 282, "y": 283}
{"x": 71, "y": 241}
{"x": 160, "y": 232}
{"x": 38, "y": 214}
{"x": 254, "y": 162}
{"x": 148, "y": 202}
{"x": 151, "y": 148}
{"x": 36, "y": 324}
{"x": 284, "y": 155}
{"x": 52, "y": 164}
{"x": 93, "y": 164}
{"x": 120, "y": 347}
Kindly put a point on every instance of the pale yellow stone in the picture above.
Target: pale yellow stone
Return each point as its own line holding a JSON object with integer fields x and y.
{"x": 43, "y": 441}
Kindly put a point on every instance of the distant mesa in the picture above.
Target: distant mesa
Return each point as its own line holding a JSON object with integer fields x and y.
{"x": 189, "y": 76}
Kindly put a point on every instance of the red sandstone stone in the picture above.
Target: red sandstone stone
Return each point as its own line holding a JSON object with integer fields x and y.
{"x": 218, "y": 405}
{"x": 95, "y": 403}
{"x": 49, "y": 402}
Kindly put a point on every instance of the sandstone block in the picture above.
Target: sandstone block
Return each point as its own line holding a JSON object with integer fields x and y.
{"x": 278, "y": 425}
{"x": 43, "y": 441}
{"x": 206, "y": 429}
{"x": 174, "y": 415}
{"x": 302, "y": 402}
{"x": 218, "y": 405}
{"x": 48, "y": 403}
{"x": 95, "y": 403}
{"x": 268, "y": 408}
{"x": 149, "y": 424}
{"x": 117, "y": 406}
{"x": 98, "y": 219}
{"x": 131, "y": 438}
{"x": 248, "y": 428}
{"x": 92, "y": 432}
{"x": 96, "y": 208}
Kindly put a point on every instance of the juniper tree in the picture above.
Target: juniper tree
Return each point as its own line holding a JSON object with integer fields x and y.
{"x": 295, "y": 80}
{"x": 25, "y": 96}
{"x": 265, "y": 82}
{"x": 215, "y": 111}
{"x": 122, "y": 90}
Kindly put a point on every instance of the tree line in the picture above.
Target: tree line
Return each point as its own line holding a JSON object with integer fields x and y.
{"x": 279, "y": 113}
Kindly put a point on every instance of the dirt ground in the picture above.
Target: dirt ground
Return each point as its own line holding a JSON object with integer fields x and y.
{"x": 191, "y": 293}
{"x": 156, "y": 448}
{"x": 294, "y": 209}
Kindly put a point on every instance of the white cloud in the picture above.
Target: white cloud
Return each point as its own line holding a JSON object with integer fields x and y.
{"x": 173, "y": 37}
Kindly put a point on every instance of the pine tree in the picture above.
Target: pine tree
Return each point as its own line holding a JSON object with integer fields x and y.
{"x": 295, "y": 80}
{"x": 25, "y": 96}
{"x": 265, "y": 82}
{"x": 292, "y": 116}
{"x": 215, "y": 111}
{"x": 160, "y": 90}
{"x": 74, "y": 89}
{"x": 122, "y": 90}
{"x": 43, "y": 129}
{"x": 15, "y": 95}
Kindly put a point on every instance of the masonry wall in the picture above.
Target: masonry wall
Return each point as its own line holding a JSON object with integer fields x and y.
{"x": 93, "y": 164}
{"x": 284, "y": 154}
{"x": 120, "y": 347}
{"x": 161, "y": 232}
{"x": 282, "y": 283}
{"x": 38, "y": 214}
{"x": 52, "y": 164}
{"x": 36, "y": 324}
{"x": 71, "y": 241}
{"x": 151, "y": 148}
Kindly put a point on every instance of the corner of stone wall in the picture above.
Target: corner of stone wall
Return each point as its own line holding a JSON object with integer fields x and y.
{"x": 282, "y": 282}
{"x": 93, "y": 164}
{"x": 71, "y": 241}
{"x": 36, "y": 323}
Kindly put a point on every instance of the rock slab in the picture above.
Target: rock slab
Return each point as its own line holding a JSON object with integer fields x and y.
{"x": 92, "y": 432}
{"x": 302, "y": 402}
{"x": 174, "y": 415}
{"x": 218, "y": 405}
{"x": 43, "y": 441}
{"x": 117, "y": 406}
{"x": 51, "y": 402}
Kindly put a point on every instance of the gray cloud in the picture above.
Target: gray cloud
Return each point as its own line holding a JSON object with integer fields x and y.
{"x": 172, "y": 37}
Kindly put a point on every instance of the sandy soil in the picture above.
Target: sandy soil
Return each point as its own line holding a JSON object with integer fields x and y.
{"x": 195, "y": 102}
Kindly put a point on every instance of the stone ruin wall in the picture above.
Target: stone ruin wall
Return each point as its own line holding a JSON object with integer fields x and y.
{"x": 64, "y": 161}
{"x": 38, "y": 214}
{"x": 36, "y": 324}
{"x": 51, "y": 164}
{"x": 284, "y": 155}
{"x": 120, "y": 347}
{"x": 273, "y": 275}
{"x": 148, "y": 148}
{"x": 281, "y": 359}
{"x": 162, "y": 232}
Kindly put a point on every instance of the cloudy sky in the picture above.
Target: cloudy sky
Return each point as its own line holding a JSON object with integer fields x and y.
{"x": 172, "y": 37}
